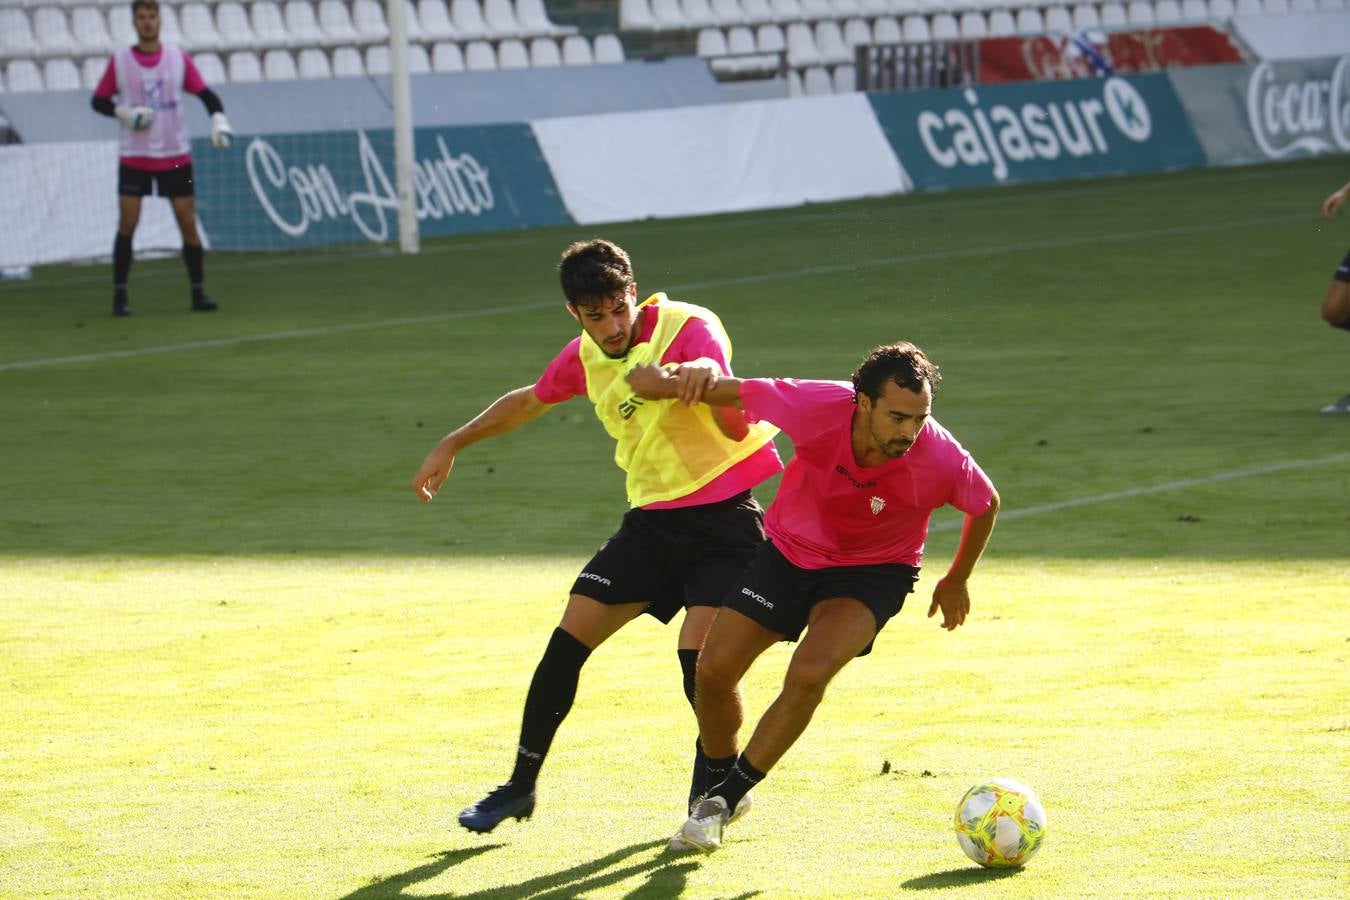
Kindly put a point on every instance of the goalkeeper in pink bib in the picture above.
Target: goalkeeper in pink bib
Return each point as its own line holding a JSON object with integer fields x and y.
{"x": 846, "y": 535}
{"x": 143, "y": 88}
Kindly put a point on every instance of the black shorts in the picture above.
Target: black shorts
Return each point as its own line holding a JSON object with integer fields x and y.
{"x": 169, "y": 183}
{"x": 1343, "y": 273}
{"x": 673, "y": 558}
{"x": 779, "y": 595}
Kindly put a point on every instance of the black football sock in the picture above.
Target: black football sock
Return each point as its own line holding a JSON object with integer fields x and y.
{"x": 716, "y": 771}
{"x": 698, "y": 779}
{"x": 193, "y": 257}
{"x": 552, "y": 691}
{"x": 738, "y": 783}
{"x": 121, "y": 263}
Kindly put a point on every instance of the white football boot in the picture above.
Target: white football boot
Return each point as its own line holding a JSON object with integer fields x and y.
{"x": 709, "y": 816}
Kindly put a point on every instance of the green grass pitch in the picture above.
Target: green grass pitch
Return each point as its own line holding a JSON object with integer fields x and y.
{"x": 239, "y": 659}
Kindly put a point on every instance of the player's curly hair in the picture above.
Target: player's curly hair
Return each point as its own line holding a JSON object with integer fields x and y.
{"x": 593, "y": 271}
{"x": 146, "y": 4}
{"x": 902, "y": 363}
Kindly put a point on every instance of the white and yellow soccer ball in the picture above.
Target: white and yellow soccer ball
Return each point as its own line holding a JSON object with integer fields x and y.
{"x": 1000, "y": 823}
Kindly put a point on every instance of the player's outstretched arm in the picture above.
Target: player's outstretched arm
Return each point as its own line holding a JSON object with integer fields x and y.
{"x": 651, "y": 382}
{"x": 952, "y": 594}
{"x": 1334, "y": 201}
{"x": 510, "y": 411}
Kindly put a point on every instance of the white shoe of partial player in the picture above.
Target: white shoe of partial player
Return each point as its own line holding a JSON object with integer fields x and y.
{"x": 1339, "y": 408}
{"x": 703, "y": 830}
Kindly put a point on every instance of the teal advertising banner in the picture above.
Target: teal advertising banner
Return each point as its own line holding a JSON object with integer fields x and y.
{"x": 1035, "y": 131}
{"x": 1268, "y": 111}
{"x": 303, "y": 190}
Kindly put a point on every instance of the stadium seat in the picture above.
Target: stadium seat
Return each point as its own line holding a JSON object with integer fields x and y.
{"x": 973, "y": 25}
{"x": 436, "y": 26}
{"x": 741, "y": 47}
{"x": 698, "y": 13}
{"x": 211, "y": 68}
{"x": 757, "y": 12}
{"x": 500, "y": 18}
{"x": 468, "y": 18}
{"x": 886, "y": 30}
{"x": 269, "y": 28}
{"x": 1220, "y": 10}
{"x": 945, "y": 27}
{"x": 1113, "y": 15}
{"x": 347, "y": 63}
{"x": 1140, "y": 13}
{"x": 728, "y": 12}
{"x": 61, "y": 75}
{"x": 1194, "y": 11}
{"x": 22, "y": 76}
{"x": 1001, "y": 23}
{"x": 846, "y": 9}
{"x": 544, "y": 53}
{"x": 243, "y": 66}
{"x": 785, "y": 11}
{"x": 897, "y": 8}
{"x": 915, "y": 29}
{"x": 845, "y": 79}
{"x": 576, "y": 51}
{"x": 534, "y": 19}
{"x": 801, "y": 46}
{"x": 1248, "y": 7}
{"x": 447, "y": 57}
{"x": 830, "y": 42}
{"x": 368, "y": 20}
{"x": 302, "y": 26}
{"x": 235, "y": 30}
{"x": 479, "y": 57}
{"x": 16, "y": 33}
{"x": 856, "y": 31}
{"x": 1167, "y": 12}
{"x": 711, "y": 43}
{"x": 313, "y": 63}
{"x": 608, "y": 49}
{"x": 90, "y": 31}
{"x": 1275, "y": 7}
{"x": 169, "y": 30}
{"x": 199, "y": 28}
{"x": 52, "y": 32}
{"x": 91, "y": 71}
{"x": 1030, "y": 21}
{"x": 816, "y": 82}
{"x": 419, "y": 61}
{"x": 668, "y": 14}
{"x": 377, "y": 59}
{"x": 278, "y": 65}
{"x": 636, "y": 15}
{"x": 1085, "y": 17}
{"x": 511, "y": 54}
{"x": 336, "y": 23}
{"x": 1302, "y": 6}
{"x": 817, "y": 10}
{"x": 1058, "y": 18}
{"x": 770, "y": 39}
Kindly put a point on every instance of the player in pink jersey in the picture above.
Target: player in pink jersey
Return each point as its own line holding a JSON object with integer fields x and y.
{"x": 1336, "y": 303}
{"x": 846, "y": 534}
{"x": 143, "y": 89}
{"x": 681, "y": 548}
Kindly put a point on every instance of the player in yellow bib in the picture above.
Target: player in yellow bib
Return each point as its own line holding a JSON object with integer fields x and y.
{"x": 693, "y": 524}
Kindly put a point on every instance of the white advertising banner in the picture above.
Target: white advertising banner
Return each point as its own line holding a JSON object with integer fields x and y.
{"x": 713, "y": 159}
{"x": 59, "y": 204}
{"x": 1302, "y": 36}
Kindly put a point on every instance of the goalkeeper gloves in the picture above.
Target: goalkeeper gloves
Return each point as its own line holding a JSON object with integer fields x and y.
{"x": 137, "y": 118}
{"x": 221, "y": 132}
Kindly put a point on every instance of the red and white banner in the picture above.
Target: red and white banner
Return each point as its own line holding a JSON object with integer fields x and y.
{"x": 1058, "y": 56}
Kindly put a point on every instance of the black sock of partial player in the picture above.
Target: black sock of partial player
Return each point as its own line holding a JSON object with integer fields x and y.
{"x": 194, "y": 258}
{"x": 552, "y": 691}
{"x": 738, "y": 783}
{"x": 121, "y": 264}
{"x": 688, "y": 667}
{"x": 715, "y": 771}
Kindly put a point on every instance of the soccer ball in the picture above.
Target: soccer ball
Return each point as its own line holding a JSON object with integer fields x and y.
{"x": 1000, "y": 823}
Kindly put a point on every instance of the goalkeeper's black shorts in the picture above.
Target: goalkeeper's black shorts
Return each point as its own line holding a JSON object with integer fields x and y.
{"x": 169, "y": 183}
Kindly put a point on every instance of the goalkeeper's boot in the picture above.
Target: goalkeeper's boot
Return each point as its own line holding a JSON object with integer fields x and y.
{"x": 203, "y": 303}
{"x": 505, "y": 802}
{"x": 121, "y": 305}
{"x": 678, "y": 842}
{"x": 703, "y": 830}
{"x": 1339, "y": 408}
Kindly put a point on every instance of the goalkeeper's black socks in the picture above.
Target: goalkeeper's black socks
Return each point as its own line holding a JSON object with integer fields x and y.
{"x": 121, "y": 269}
{"x": 552, "y": 691}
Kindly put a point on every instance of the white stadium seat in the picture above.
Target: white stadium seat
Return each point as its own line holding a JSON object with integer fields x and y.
{"x": 916, "y": 30}
{"x": 22, "y": 76}
{"x": 169, "y": 29}
{"x": 1002, "y": 23}
{"x": 668, "y": 15}
{"x": 211, "y": 68}
{"x": 785, "y": 11}
{"x": 244, "y": 66}
{"x": 91, "y": 71}
{"x": 886, "y": 30}
{"x": 302, "y": 26}
{"x": 770, "y": 39}
{"x": 468, "y": 18}
{"x": 817, "y": 10}
{"x": 336, "y": 23}
{"x": 1194, "y": 11}
{"x": 52, "y": 32}
{"x": 413, "y": 23}
{"x": 279, "y": 66}
{"x": 435, "y": 18}
{"x": 757, "y": 12}
{"x": 544, "y": 53}
{"x": 419, "y": 61}
{"x": 447, "y": 57}
{"x": 801, "y": 46}
{"x": 830, "y": 43}
{"x": 199, "y": 28}
{"x": 1058, "y": 18}
{"x": 1029, "y": 21}
{"x": 347, "y": 63}
{"x": 846, "y": 9}
{"x": 1140, "y": 13}
{"x": 973, "y": 25}
{"x": 845, "y": 79}
{"x": 710, "y": 43}
{"x": 1249, "y": 7}
{"x": 636, "y": 15}
{"x": 534, "y": 19}
{"x": 479, "y": 57}
{"x": 16, "y": 33}
{"x": 576, "y": 51}
{"x": 368, "y": 20}
{"x": 313, "y": 63}
{"x": 61, "y": 75}
{"x": 511, "y": 54}
{"x": 90, "y": 31}
{"x": 816, "y": 82}
{"x": 1275, "y": 7}
{"x": 1220, "y": 10}
{"x": 500, "y": 18}
{"x": 857, "y": 31}
{"x": 698, "y": 13}
{"x": 1113, "y": 15}
{"x": 377, "y": 59}
{"x": 794, "y": 81}
{"x": 945, "y": 27}
{"x": 608, "y": 49}
{"x": 235, "y": 30}
{"x": 1167, "y": 12}
{"x": 269, "y": 28}
{"x": 1085, "y": 17}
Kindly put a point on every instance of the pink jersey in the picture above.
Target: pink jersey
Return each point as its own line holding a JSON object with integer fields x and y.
{"x": 157, "y": 80}
{"x": 830, "y": 511}
{"x": 565, "y": 378}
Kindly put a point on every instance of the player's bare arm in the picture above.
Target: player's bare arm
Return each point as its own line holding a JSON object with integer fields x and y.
{"x": 652, "y": 382}
{"x": 952, "y": 594}
{"x": 1334, "y": 201}
{"x": 510, "y": 411}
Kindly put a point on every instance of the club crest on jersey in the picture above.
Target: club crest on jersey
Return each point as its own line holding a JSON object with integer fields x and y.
{"x": 877, "y": 506}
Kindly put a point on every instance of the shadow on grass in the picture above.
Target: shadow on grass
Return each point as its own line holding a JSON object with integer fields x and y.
{"x": 966, "y": 875}
{"x": 666, "y": 877}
